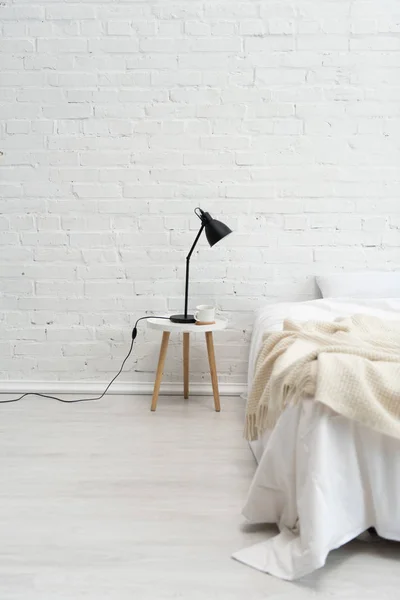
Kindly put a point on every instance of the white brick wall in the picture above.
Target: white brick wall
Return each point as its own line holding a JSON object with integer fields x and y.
{"x": 119, "y": 118}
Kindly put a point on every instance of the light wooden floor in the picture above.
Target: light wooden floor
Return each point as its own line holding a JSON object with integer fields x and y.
{"x": 109, "y": 501}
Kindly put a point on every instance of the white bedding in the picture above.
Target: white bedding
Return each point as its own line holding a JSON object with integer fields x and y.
{"x": 322, "y": 478}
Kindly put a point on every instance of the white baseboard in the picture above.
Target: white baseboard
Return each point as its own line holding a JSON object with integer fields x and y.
{"x": 97, "y": 387}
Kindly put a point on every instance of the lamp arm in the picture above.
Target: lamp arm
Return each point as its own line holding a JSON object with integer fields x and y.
{"x": 195, "y": 241}
{"x": 187, "y": 267}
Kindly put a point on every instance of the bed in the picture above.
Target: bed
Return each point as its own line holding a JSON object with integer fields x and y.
{"x": 322, "y": 478}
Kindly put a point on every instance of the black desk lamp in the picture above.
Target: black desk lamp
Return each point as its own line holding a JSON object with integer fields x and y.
{"x": 215, "y": 231}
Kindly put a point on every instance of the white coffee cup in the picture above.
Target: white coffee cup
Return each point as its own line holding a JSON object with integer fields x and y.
{"x": 205, "y": 313}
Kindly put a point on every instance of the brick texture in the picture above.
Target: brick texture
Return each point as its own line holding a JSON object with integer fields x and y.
{"x": 119, "y": 118}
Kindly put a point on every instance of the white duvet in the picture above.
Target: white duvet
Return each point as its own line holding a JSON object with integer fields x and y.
{"x": 322, "y": 478}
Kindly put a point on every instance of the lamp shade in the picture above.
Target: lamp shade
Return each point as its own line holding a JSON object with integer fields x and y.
{"x": 215, "y": 230}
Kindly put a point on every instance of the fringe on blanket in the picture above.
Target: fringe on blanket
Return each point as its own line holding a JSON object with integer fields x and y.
{"x": 250, "y": 428}
{"x": 256, "y": 424}
{"x": 302, "y": 384}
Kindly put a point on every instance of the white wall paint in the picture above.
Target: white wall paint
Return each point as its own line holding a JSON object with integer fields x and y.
{"x": 282, "y": 118}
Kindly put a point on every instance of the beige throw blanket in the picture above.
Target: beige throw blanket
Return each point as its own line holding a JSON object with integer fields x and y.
{"x": 351, "y": 365}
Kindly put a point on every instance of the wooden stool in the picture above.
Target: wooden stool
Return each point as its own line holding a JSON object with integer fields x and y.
{"x": 167, "y": 327}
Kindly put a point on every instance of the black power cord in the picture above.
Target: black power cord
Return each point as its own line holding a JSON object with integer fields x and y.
{"x": 134, "y": 334}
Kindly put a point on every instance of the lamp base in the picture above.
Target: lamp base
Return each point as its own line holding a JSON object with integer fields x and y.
{"x": 182, "y": 319}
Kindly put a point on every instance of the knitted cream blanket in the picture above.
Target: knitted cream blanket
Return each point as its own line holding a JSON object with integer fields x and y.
{"x": 351, "y": 365}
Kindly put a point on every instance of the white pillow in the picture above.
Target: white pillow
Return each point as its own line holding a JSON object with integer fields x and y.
{"x": 364, "y": 284}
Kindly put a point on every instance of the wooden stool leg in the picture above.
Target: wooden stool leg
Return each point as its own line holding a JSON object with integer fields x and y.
{"x": 186, "y": 340}
{"x": 160, "y": 369}
{"x": 213, "y": 369}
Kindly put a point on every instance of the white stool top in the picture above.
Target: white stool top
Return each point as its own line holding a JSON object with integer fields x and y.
{"x": 166, "y": 325}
